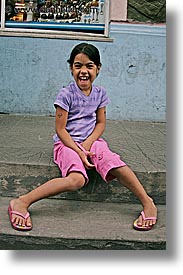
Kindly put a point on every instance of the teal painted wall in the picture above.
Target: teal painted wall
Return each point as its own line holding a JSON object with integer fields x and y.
{"x": 133, "y": 72}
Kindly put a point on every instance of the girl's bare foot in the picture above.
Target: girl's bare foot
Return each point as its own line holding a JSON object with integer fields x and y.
{"x": 19, "y": 206}
{"x": 149, "y": 210}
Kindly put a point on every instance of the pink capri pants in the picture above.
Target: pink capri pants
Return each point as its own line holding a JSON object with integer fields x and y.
{"x": 104, "y": 160}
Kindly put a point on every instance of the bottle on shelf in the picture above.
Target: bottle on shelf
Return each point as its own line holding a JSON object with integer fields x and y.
{"x": 29, "y": 15}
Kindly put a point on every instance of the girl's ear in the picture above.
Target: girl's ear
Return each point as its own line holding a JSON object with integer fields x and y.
{"x": 98, "y": 68}
{"x": 71, "y": 70}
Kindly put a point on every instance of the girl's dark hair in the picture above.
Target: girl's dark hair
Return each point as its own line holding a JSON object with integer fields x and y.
{"x": 90, "y": 50}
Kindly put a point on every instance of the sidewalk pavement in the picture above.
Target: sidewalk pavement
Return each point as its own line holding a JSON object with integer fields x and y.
{"x": 69, "y": 224}
{"x": 89, "y": 218}
{"x": 28, "y": 139}
{"x": 26, "y": 157}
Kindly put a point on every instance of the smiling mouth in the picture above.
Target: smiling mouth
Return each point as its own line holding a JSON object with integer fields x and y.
{"x": 84, "y": 78}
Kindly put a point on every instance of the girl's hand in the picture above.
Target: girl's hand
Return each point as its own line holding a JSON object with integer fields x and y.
{"x": 84, "y": 159}
{"x": 86, "y": 145}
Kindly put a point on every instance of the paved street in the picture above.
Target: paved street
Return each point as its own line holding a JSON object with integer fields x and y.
{"x": 100, "y": 215}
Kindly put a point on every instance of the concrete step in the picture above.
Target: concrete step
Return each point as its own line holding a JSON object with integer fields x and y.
{"x": 26, "y": 158}
{"x": 18, "y": 179}
{"x": 67, "y": 224}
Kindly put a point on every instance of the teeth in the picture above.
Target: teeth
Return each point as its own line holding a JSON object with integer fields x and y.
{"x": 84, "y": 77}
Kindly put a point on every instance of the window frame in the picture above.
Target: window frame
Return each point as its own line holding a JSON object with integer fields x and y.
{"x": 66, "y": 34}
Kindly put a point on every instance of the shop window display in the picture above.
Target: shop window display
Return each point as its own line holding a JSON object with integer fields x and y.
{"x": 80, "y": 15}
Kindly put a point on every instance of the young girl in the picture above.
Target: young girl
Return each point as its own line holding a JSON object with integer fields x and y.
{"x": 78, "y": 146}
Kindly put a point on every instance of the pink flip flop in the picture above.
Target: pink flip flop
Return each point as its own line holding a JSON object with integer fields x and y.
{"x": 17, "y": 226}
{"x": 143, "y": 228}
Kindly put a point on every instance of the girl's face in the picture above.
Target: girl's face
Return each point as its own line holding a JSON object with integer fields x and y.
{"x": 84, "y": 72}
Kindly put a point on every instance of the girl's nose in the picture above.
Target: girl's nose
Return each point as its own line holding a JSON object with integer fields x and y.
{"x": 83, "y": 71}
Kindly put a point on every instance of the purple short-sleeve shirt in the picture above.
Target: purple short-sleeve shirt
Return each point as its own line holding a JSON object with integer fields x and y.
{"x": 81, "y": 109}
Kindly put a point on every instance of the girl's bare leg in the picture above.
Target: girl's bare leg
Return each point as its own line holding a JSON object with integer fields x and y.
{"x": 127, "y": 178}
{"x": 52, "y": 187}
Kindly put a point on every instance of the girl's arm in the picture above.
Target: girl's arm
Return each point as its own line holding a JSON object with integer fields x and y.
{"x": 60, "y": 127}
{"x": 99, "y": 128}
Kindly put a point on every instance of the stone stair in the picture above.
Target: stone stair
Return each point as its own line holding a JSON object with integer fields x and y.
{"x": 99, "y": 216}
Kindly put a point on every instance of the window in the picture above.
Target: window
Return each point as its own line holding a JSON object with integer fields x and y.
{"x": 78, "y": 16}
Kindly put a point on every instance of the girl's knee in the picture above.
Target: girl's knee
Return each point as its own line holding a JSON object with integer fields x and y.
{"x": 76, "y": 181}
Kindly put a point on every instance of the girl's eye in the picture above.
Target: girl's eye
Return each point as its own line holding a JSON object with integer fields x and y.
{"x": 90, "y": 67}
{"x": 77, "y": 66}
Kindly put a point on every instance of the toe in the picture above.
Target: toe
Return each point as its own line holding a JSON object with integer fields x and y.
{"x": 140, "y": 222}
{"x": 28, "y": 222}
{"x": 15, "y": 220}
